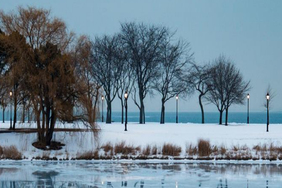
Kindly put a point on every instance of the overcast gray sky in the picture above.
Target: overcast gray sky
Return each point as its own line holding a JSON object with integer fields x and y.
{"x": 248, "y": 32}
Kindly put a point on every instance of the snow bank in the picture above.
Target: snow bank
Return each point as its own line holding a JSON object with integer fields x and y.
{"x": 143, "y": 135}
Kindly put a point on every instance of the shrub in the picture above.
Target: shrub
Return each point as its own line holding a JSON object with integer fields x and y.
{"x": 172, "y": 150}
{"x": 204, "y": 147}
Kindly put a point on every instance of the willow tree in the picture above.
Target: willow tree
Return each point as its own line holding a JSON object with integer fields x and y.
{"x": 89, "y": 88}
{"x": 48, "y": 72}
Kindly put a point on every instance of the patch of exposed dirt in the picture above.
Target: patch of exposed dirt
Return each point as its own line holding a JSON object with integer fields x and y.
{"x": 53, "y": 145}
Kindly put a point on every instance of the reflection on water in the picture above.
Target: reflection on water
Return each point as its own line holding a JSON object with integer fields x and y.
{"x": 139, "y": 175}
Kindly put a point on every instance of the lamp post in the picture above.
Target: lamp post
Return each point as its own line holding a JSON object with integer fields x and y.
{"x": 125, "y": 97}
{"x": 176, "y": 108}
{"x": 267, "y": 107}
{"x": 248, "y": 109}
{"x": 102, "y": 108}
{"x": 11, "y": 94}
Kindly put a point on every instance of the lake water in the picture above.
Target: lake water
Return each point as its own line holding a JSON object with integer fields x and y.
{"x": 194, "y": 117}
{"x": 133, "y": 174}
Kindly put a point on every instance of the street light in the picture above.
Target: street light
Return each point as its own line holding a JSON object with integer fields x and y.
{"x": 267, "y": 107}
{"x": 11, "y": 94}
{"x": 102, "y": 108}
{"x": 176, "y": 108}
{"x": 248, "y": 109}
{"x": 125, "y": 97}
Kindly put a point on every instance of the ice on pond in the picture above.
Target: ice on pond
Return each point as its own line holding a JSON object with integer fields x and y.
{"x": 137, "y": 174}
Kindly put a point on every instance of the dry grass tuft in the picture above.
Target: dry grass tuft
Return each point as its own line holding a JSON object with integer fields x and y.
{"x": 11, "y": 152}
{"x": 108, "y": 147}
{"x": 172, "y": 150}
{"x": 222, "y": 150}
{"x": 204, "y": 147}
{"x": 89, "y": 155}
{"x": 191, "y": 149}
{"x": 147, "y": 150}
{"x": 125, "y": 149}
{"x": 154, "y": 150}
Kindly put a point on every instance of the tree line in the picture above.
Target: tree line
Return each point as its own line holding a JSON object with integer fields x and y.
{"x": 62, "y": 77}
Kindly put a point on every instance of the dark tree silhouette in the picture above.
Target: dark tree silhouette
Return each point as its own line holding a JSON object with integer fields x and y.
{"x": 174, "y": 64}
{"x": 125, "y": 83}
{"x": 198, "y": 78}
{"x": 227, "y": 86}
{"x": 143, "y": 47}
{"x": 106, "y": 63}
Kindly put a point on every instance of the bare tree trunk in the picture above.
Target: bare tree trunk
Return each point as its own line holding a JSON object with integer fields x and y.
{"x": 220, "y": 117}
{"x": 162, "y": 113}
{"x": 23, "y": 115}
{"x": 40, "y": 133}
{"x": 50, "y": 131}
{"x": 202, "y": 108}
{"x": 15, "y": 112}
{"x": 109, "y": 112}
{"x": 3, "y": 115}
{"x": 142, "y": 112}
{"x": 122, "y": 110}
{"x": 28, "y": 115}
{"x": 226, "y": 116}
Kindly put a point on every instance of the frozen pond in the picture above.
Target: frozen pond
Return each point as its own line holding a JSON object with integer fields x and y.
{"x": 138, "y": 174}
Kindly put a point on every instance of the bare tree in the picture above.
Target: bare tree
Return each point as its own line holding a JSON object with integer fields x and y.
{"x": 125, "y": 84}
{"x": 143, "y": 47}
{"x": 199, "y": 77}
{"x": 106, "y": 63}
{"x": 175, "y": 58}
{"x": 227, "y": 86}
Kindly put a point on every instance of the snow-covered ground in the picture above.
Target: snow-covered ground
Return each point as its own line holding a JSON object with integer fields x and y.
{"x": 143, "y": 135}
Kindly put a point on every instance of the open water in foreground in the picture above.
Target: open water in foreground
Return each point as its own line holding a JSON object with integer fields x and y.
{"x": 138, "y": 174}
{"x": 195, "y": 117}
